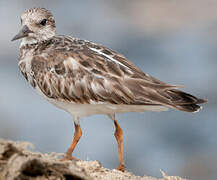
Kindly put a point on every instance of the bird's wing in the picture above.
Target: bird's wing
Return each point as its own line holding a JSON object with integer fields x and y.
{"x": 83, "y": 72}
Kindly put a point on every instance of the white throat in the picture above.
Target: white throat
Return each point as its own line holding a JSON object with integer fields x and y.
{"x": 28, "y": 41}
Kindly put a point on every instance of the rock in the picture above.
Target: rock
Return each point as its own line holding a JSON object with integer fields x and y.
{"x": 17, "y": 162}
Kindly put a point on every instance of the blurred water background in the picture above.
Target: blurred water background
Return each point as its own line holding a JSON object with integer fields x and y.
{"x": 173, "y": 40}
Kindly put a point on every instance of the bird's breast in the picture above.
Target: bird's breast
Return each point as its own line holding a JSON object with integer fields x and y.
{"x": 26, "y": 69}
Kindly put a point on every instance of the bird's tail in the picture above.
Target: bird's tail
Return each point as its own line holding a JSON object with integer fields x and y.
{"x": 184, "y": 101}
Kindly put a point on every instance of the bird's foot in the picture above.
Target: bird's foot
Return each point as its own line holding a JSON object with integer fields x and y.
{"x": 121, "y": 167}
{"x": 69, "y": 157}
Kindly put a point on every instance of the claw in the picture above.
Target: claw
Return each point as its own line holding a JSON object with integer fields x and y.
{"x": 121, "y": 167}
{"x": 69, "y": 158}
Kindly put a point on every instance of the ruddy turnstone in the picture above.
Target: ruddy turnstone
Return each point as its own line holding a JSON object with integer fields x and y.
{"x": 84, "y": 78}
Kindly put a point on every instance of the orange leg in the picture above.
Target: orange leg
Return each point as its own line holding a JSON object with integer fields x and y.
{"x": 119, "y": 137}
{"x": 77, "y": 135}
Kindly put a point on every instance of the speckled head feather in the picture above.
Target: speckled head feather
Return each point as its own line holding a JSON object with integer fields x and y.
{"x": 41, "y": 24}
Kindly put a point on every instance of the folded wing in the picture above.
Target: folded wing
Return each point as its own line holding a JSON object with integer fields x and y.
{"x": 88, "y": 73}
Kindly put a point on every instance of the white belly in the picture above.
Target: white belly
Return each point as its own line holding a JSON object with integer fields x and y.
{"x": 83, "y": 110}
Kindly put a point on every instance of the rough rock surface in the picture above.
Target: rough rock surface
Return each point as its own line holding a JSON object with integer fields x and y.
{"x": 17, "y": 162}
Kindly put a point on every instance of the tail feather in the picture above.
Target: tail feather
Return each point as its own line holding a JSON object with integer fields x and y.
{"x": 189, "y": 107}
{"x": 184, "y": 101}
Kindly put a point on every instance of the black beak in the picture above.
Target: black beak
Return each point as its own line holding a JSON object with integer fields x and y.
{"x": 23, "y": 33}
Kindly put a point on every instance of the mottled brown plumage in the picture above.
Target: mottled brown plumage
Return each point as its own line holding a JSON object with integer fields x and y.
{"x": 85, "y": 78}
{"x": 68, "y": 69}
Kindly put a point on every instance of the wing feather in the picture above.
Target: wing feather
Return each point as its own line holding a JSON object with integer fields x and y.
{"x": 84, "y": 72}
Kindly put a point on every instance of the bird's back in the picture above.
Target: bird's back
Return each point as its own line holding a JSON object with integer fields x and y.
{"x": 76, "y": 71}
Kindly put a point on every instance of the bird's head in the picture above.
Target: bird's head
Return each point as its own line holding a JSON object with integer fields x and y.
{"x": 38, "y": 25}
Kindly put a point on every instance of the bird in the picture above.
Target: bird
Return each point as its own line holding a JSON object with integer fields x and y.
{"x": 85, "y": 78}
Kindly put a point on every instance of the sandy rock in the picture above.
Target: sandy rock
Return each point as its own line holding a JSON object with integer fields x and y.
{"x": 17, "y": 162}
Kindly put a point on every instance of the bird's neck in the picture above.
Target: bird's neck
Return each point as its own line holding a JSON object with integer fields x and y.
{"x": 28, "y": 41}
{"x": 32, "y": 42}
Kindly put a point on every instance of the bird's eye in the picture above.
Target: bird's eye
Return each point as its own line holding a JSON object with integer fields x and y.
{"x": 43, "y": 22}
